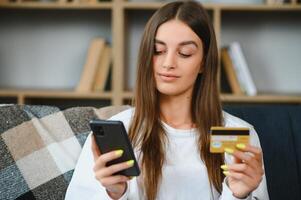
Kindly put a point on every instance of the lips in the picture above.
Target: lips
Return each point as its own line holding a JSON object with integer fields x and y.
{"x": 166, "y": 77}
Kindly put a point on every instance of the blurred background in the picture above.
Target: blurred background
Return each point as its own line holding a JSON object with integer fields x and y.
{"x": 84, "y": 52}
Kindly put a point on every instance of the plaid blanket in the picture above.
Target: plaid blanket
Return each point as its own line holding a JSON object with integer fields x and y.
{"x": 39, "y": 147}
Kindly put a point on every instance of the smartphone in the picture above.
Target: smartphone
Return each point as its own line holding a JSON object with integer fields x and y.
{"x": 110, "y": 136}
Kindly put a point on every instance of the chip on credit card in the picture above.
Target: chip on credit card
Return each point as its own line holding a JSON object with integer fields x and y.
{"x": 227, "y": 137}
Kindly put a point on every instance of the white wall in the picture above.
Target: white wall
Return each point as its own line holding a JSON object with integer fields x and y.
{"x": 47, "y": 48}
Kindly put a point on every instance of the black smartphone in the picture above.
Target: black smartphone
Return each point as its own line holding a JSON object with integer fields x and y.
{"x": 110, "y": 136}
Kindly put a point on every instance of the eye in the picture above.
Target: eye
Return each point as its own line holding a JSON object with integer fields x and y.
{"x": 157, "y": 52}
{"x": 184, "y": 55}
{"x": 186, "y": 51}
{"x": 159, "y": 49}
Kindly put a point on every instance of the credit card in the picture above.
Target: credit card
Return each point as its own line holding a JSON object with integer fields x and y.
{"x": 227, "y": 137}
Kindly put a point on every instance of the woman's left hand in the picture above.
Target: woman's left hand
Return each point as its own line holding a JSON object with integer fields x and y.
{"x": 245, "y": 174}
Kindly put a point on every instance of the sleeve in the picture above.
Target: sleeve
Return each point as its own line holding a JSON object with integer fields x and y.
{"x": 261, "y": 192}
{"x": 83, "y": 184}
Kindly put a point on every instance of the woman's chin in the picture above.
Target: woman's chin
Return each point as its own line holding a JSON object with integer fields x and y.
{"x": 170, "y": 91}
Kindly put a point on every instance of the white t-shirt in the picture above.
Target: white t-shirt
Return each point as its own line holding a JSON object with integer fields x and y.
{"x": 184, "y": 175}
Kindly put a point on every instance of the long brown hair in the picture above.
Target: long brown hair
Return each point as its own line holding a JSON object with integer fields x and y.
{"x": 146, "y": 131}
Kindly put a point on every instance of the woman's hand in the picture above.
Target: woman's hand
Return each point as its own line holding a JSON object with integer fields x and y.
{"x": 245, "y": 174}
{"x": 114, "y": 184}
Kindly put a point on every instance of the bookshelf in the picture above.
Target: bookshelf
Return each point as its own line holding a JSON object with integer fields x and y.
{"x": 55, "y": 5}
{"x": 119, "y": 11}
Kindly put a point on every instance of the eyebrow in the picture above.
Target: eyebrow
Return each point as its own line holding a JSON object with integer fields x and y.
{"x": 181, "y": 43}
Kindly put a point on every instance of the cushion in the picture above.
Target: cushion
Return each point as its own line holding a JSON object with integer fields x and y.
{"x": 279, "y": 134}
{"x": 39, "y": 147}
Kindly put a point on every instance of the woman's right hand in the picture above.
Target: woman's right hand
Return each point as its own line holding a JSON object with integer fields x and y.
{"x": 115, "y": 184}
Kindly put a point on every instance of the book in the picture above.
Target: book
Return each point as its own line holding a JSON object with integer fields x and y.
{"x": 270, "y": 2}
{"x": 95, "y": 50}
{"x": 103, "y": 69}
{"x": 242, "y": 70}
{"x": 230, "y": 73}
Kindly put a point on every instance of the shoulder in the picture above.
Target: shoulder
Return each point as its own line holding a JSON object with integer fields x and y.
{"x": 233, "y": 121}
{"x": 124, "y": 116}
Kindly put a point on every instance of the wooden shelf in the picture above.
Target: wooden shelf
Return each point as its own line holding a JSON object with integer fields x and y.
{"x": 22, "y": 96}
{"x": 155, "y": 5}
{"x": 228, "y": 98}
{"x": 56, "y": 5}
{"x": 54, "y": 94}
{"x": 146, "y": 6}
{"x": 128, "y": 95}
{"x": 143, "y": 5}
{"x": 276, "y": 7}
{"x": 63, "y": 94}
{"x": 217, "y": 6}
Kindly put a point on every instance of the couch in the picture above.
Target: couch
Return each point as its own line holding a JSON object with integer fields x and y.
{"x": 39, "y": 147}
{"x": 279, "y": 131}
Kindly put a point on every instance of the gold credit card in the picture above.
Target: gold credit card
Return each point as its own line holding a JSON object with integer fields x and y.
{"x": 227, "y": 137}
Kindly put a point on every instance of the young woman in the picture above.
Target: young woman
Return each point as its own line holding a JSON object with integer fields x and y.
{"x": 176, "y": 103}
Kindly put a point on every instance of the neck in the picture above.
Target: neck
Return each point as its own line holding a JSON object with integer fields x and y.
{"x": 176, "y": 111}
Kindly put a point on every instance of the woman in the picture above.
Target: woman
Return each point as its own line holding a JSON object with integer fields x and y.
{"x": 176, "y": 103}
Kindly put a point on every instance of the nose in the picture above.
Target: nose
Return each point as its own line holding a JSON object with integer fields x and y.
{"x": 169, "y": 60}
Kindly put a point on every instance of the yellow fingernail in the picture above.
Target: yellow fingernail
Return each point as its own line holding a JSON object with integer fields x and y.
{"x": 224, "y": 167}
{"x": 226, "y": 173}
{"x": 228, "y": 150}
{"x": 241, "y": 146}
{"x": 119, "y": 152}
{"x": 130, "y": 162}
